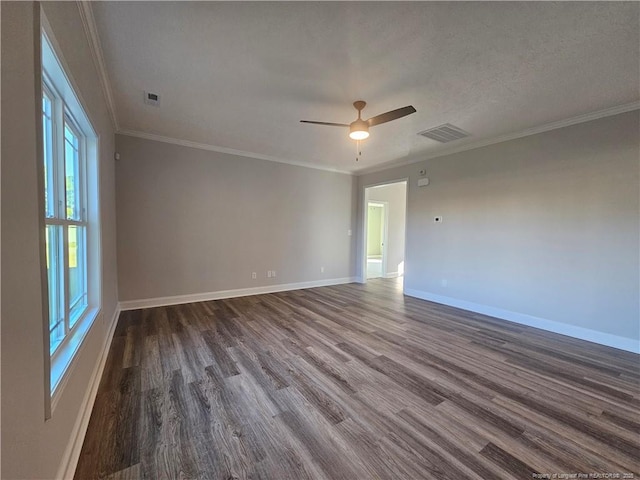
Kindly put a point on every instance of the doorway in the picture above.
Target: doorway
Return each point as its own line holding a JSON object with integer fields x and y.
{"x": 384, "y": 230}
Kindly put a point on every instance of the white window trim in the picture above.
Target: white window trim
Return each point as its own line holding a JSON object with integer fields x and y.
{"x": 61, "y": 84}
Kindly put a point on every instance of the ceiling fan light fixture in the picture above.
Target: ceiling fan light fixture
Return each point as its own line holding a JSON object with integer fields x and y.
{"x": 359, "y": 130}
{"x": 359, "y": 135}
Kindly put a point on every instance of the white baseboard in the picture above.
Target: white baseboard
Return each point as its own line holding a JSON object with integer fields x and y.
{"x": 602, "y": 338}
{"x": 391, "y": 275}
{"x": 221, "y": 294}
{"x": 71, "y": 455}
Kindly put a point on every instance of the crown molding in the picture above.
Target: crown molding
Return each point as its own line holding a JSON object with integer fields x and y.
{"x": 91, "y": 31}
{"x": 587, "y": 117}
{"x": 229, "y": 151}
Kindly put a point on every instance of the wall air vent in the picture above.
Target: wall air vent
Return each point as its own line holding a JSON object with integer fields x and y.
{"x": 152, "y": 99}
{"x": 445, "y": 133}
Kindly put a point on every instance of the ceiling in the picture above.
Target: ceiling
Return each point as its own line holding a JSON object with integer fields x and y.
{"x": 240, "y": 76}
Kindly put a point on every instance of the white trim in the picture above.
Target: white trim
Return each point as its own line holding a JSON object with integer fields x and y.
{"x": 391, "y": 275}
{"x": 63, "y": 361}
{"x": 362, "y": 248}
{"x": 69, "y": 462}
{"x": 602, "y": 338}
{"x": 60, "y": 83}
{"x": 60, "y": 68}
{"x": 93, "y": 39}
{"x": 221, "y": 294}
{"x": 587, "y": 117}
{"x": 229, "y": 151}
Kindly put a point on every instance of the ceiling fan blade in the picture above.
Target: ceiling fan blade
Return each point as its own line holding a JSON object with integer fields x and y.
{"x": 392, "y": 115}
{"x": 325, "y": 123}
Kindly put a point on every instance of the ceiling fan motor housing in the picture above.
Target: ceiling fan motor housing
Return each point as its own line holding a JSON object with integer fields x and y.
{"x": 359, "y": 130}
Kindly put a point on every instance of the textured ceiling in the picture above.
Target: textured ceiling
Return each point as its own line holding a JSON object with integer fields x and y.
{"x": 242, "y": 75}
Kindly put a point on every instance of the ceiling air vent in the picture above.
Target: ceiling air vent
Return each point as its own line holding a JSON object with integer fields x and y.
{"x": 152, "y": 99}
{"x": 445, "y": 133}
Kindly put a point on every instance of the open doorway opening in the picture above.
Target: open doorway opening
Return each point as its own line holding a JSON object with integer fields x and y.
{"x": 384, "y": 232}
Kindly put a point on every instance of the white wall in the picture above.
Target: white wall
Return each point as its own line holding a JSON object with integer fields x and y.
{"x": 192, "y": 221}
{"x": 539, "y": 229}
{"x": 31, "y": 447}
{"x": 395, "y": 195}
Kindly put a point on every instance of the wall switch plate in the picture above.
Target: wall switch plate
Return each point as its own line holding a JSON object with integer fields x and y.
{"x": 349, "y": 232}
{"x": 437, "y": 219}
{"x": 254, "y": 275}
{"x": 273, "y": 273}
{"x": 268, "y": 273}
{"x": 321, "y": 269}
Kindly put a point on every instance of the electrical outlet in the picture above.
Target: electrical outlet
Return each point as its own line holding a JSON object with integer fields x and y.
{"x": 273, "y": 273}
{"x": 254, "y": 275}
{"x": 268, "y": 273}
{"x": 321, "y": 269}
{"x": 349, "y": 232}
{"x": 444, "y": 282}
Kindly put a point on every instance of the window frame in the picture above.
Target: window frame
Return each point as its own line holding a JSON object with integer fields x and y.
{"x": 50, "y": 174}
{"x": 67, "y": 106}
{"x": 62, "y": 119}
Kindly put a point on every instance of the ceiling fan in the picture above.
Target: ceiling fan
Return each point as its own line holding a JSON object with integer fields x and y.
{"x": 359, "y": 129}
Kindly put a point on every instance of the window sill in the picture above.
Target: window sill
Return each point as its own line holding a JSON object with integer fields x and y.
{"x": 63, "y": 360}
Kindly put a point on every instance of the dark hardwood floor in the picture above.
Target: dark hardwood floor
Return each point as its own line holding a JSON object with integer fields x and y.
{"x": 356, "y": 382}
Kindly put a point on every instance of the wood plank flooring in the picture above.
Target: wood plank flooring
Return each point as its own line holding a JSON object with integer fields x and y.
{"x": 356, "y": 382}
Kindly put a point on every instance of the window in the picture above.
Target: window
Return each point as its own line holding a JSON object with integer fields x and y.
{"x": 65, "y": 217}
{"x": 71, "y": 214}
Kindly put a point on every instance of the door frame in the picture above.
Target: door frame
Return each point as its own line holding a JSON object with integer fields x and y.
{"x": 364, "y": 210}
